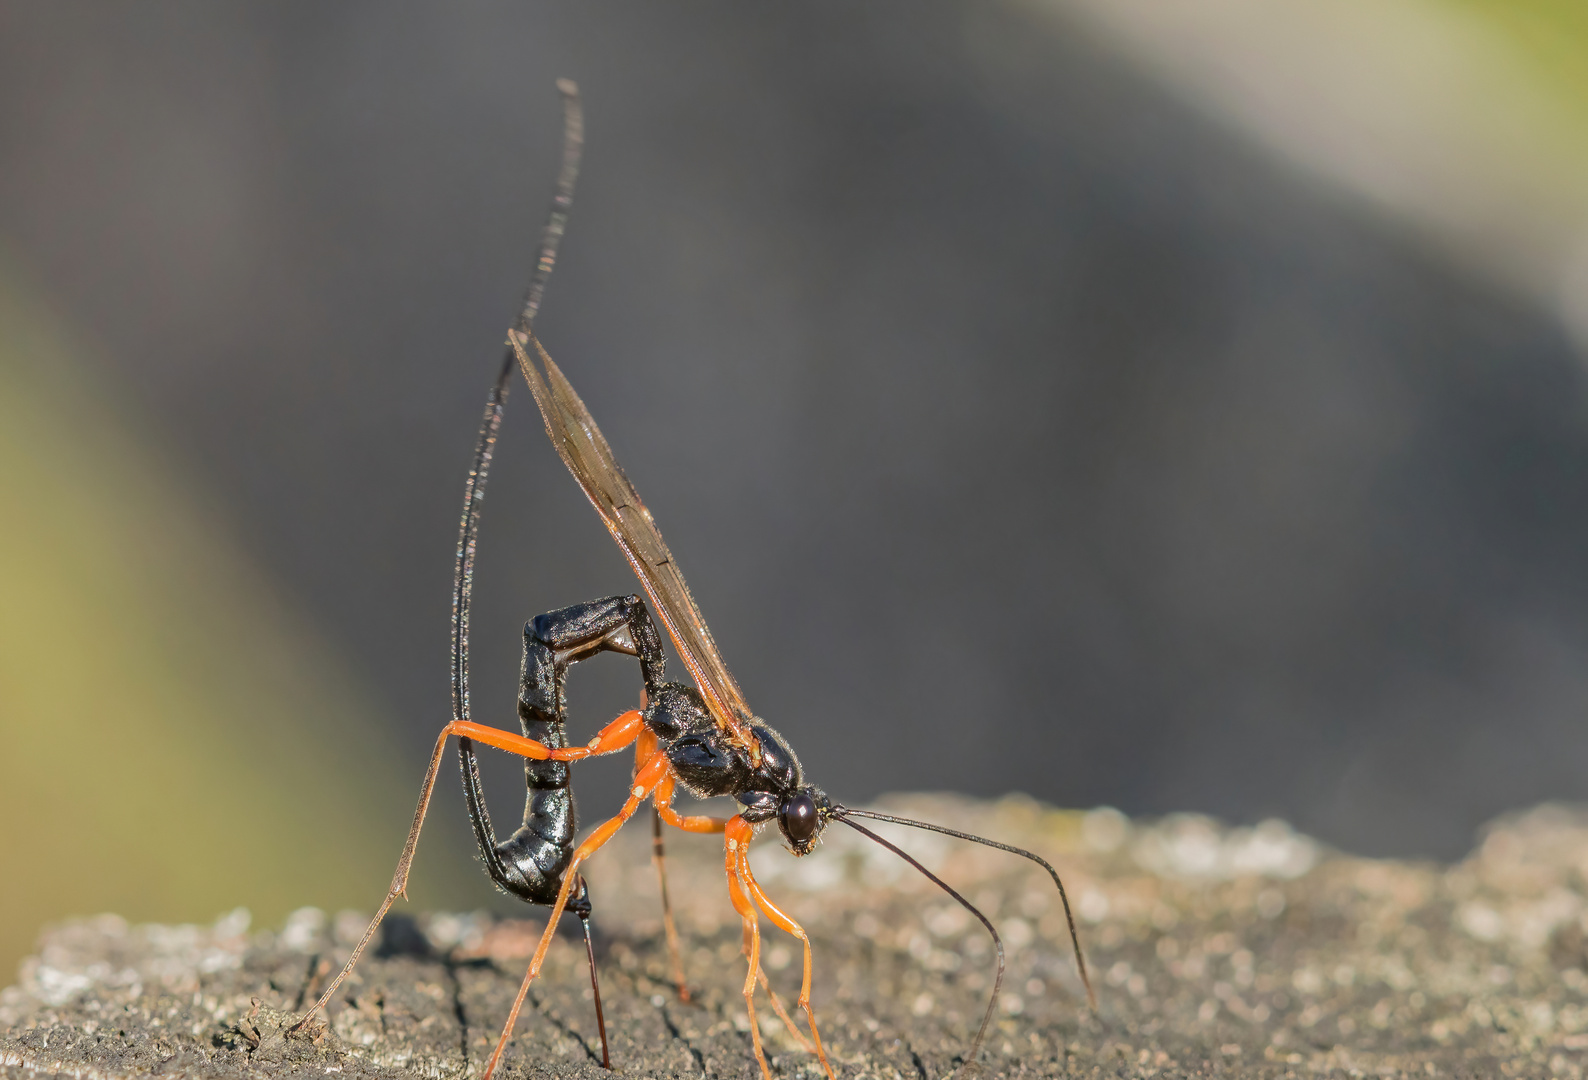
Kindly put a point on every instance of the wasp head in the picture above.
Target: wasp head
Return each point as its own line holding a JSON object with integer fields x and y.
{"x": 777, "y": 790}
{"x": 707, "y": 762}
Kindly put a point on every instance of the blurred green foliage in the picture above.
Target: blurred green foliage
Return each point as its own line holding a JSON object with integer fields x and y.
{"x": 173, "y": 741}
{"x": 1551, "y": 36}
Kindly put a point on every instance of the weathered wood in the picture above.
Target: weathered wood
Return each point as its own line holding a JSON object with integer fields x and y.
{"x": 1216, "y": 953}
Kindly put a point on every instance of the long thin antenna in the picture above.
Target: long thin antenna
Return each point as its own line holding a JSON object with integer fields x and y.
{"x": 561, "y": 203}
{"x": 474, "y": 495}
{"x": 998, "y": 942}
{"x": 485, "y": 446}
{"x": 1075, "y": 939}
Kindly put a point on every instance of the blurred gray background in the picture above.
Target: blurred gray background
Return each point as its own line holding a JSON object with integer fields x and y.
{"x": 1017, "y": 427}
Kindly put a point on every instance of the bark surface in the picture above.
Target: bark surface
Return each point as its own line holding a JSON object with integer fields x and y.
{"x": 1215, "y": 952}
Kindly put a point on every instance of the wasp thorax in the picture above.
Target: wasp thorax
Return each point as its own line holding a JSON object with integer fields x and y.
{"x": 779, "y": 771}
{"x": 708, "y": 762}
{"x": 675, "y": 709}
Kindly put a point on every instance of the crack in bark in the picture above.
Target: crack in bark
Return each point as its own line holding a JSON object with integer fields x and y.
{"x": 563, "y": 1026}
{"x": 308, "y": 982}
{"x": 675, "y": 1032}
{"x": 460, "y": 1012}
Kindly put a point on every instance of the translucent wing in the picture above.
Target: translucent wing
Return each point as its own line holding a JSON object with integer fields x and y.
{"x": 584, "y": 450}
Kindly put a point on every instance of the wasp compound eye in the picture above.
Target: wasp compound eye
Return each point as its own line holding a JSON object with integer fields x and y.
{"x": 798, "y": 818}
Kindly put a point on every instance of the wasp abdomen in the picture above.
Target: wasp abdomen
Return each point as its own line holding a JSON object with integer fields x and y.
{"x": 531, "y": 863}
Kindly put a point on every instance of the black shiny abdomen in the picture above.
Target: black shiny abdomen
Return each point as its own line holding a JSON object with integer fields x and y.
{"x": 530, "y": 864}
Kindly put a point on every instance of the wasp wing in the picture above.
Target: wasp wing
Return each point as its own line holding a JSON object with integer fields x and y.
{"x": 584, "y": 450}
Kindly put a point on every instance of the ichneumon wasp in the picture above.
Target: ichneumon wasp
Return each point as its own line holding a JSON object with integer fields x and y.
{"x": 702, "y": 738}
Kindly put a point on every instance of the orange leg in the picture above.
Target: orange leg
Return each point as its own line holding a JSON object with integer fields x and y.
{"x": 675, "y": 954}
{"x": 644, "y": 747}
{"x": 702, "y": 824}
{"x": 654, "y": 772}
{"x": 615, "y": 736}
{"x": 695, "y": 824}
{"x": 783, "y": 922}
{"x": 662, "y": 810}
{"x": 739, "y": 832}
{"x": 782, "y": 1013}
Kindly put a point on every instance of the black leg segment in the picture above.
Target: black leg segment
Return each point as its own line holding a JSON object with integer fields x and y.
{"x": 530, "y": 863}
